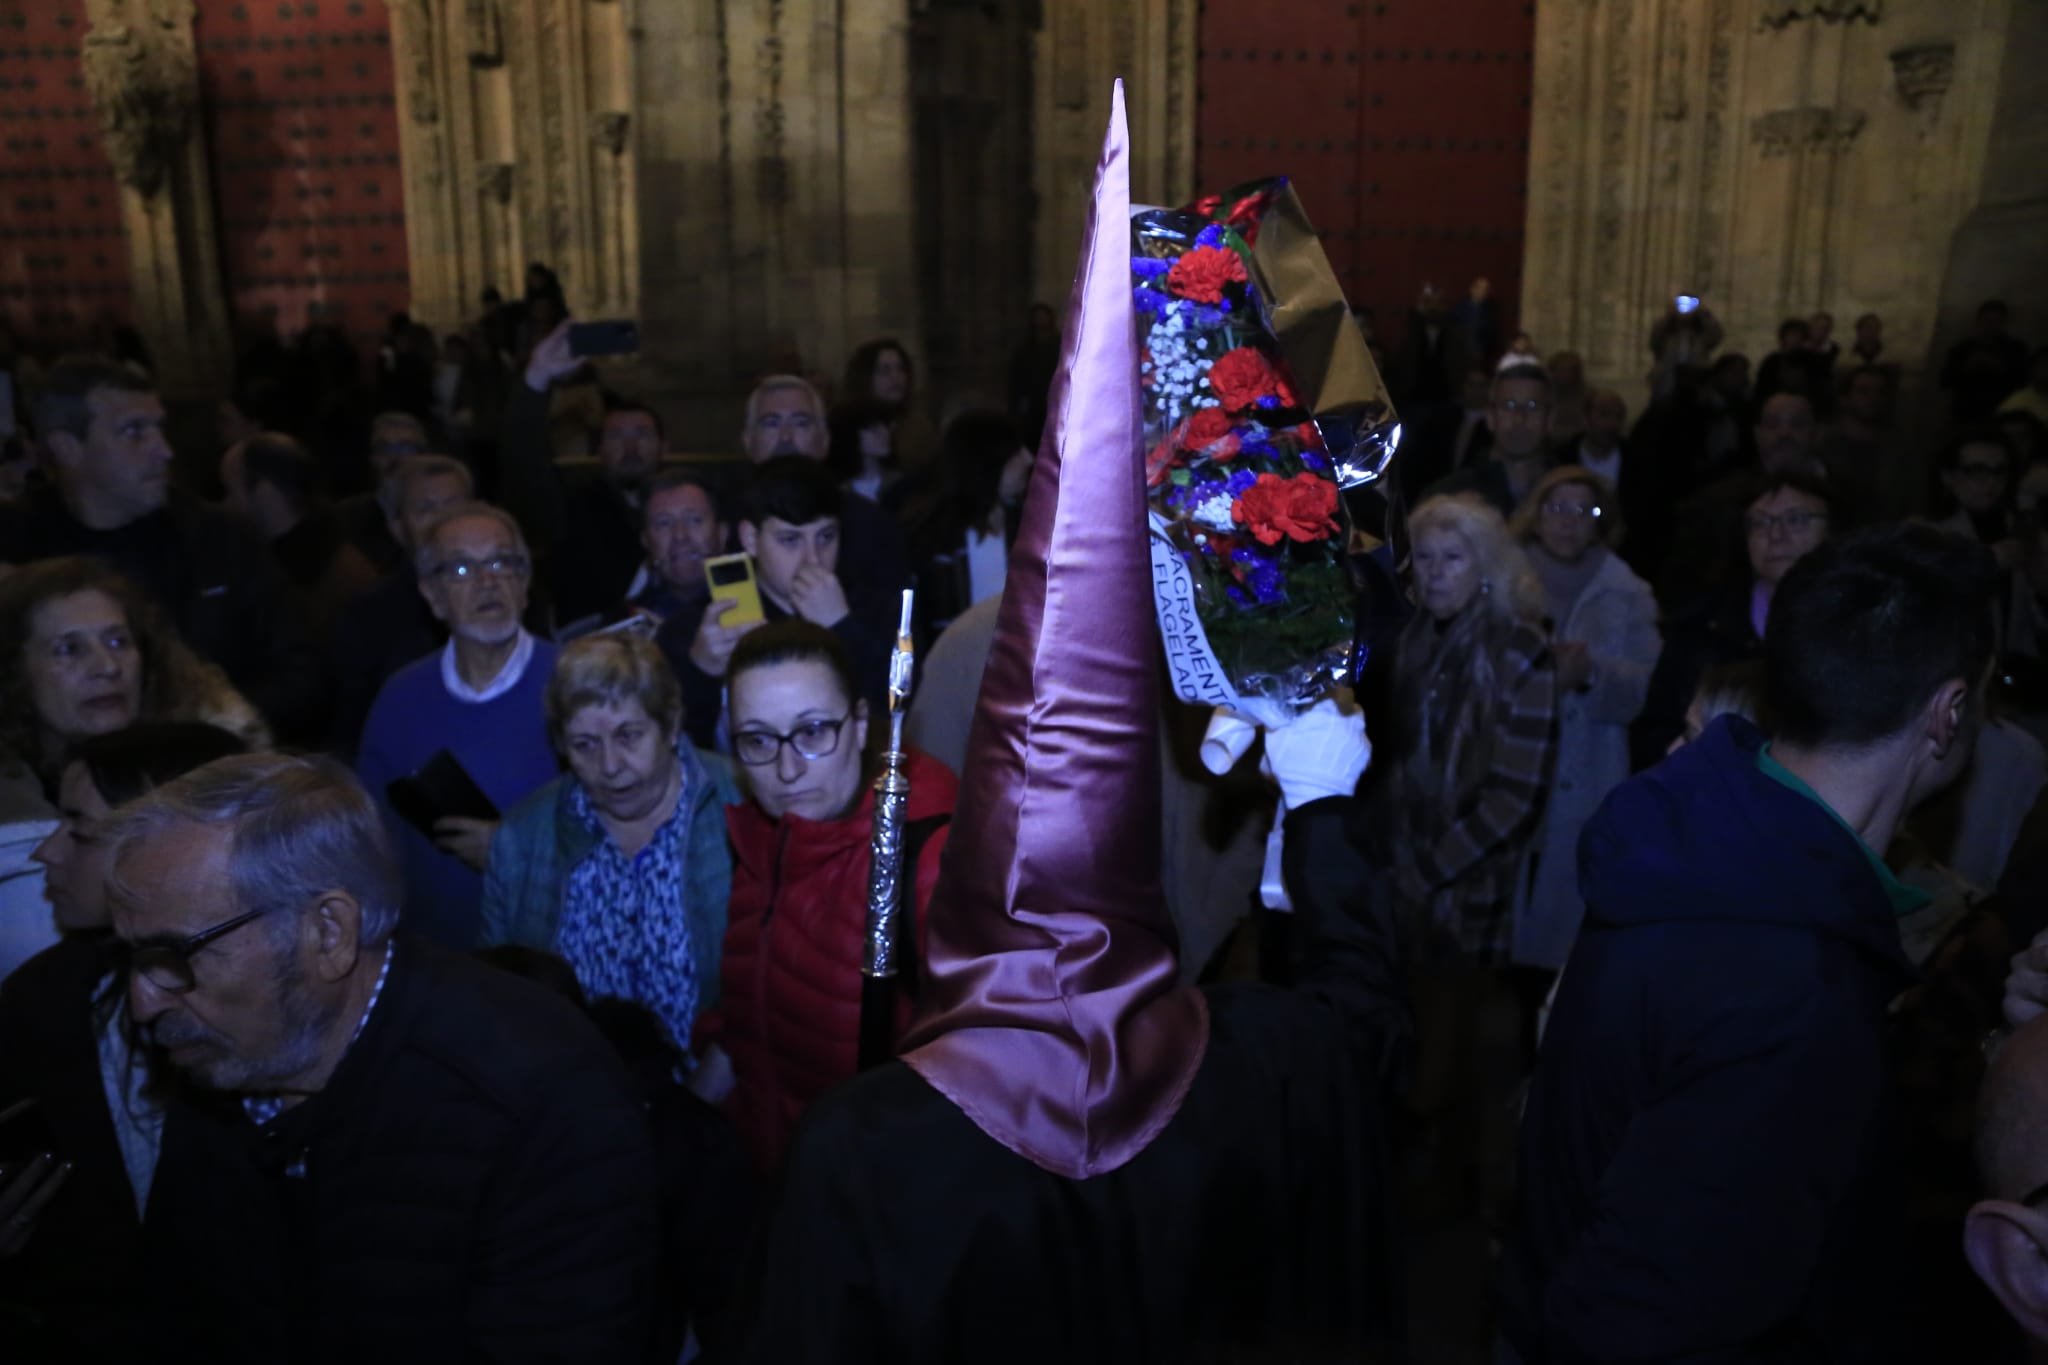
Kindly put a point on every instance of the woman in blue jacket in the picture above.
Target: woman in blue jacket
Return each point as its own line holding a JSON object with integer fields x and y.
{"x": 620, "y": 866}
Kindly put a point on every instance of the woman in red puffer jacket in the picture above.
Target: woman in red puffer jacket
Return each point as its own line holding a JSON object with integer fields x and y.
{"x": 789, "y": 1018}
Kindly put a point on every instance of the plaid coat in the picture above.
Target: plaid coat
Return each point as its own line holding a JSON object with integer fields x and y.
{"x": 1459, "y": 882}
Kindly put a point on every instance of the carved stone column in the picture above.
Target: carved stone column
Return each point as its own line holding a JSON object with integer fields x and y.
{"x": 1083, "y": 47}
{"x": 516, "y": 140}
{"x": 1773, "y": 158}
{"x": 776, "y": 186}
{"x": 142, "y": 75}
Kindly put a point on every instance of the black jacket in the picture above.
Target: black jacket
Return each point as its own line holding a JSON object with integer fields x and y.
{"x": 584, "y": 531}
{"x": 476, "y": 1181}
{"x": 217, "y": 581}
{"x": 59, "y": 1296}
{"x": 1253, "y": 1227}
{"x": 1710, "y": 1163}
{"x": 869, "y": 642}
{"x": 376, "y": 635}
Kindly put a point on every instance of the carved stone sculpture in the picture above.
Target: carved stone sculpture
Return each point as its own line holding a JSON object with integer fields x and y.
{"x": 1776, "y": 14}
{"x": 494, "y": 181}
{"x": 1785, "y": 131}
{"x": 143, "y": 79}
{"x": 1922, "y": 74}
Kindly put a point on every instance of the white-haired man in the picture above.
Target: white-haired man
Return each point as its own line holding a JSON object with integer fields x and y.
{"x": 478, "y": 698}
{"x": 384, "y": 1151}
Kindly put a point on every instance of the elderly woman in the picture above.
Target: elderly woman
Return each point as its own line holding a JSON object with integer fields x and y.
{"x": 792, "y": 961}
{"x": 1474, "y": 692}
{"x": 1466, "y": 758}
{"x": 1604, "y": 643}
{"x": 86, "y": 653}
{"x": 620, "y": 866}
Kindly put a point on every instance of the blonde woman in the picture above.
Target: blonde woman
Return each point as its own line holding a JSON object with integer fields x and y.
{"x": 1604, "y": 645}
{"x": 1474, "y": 716}
{"x": 1467, "y": 757}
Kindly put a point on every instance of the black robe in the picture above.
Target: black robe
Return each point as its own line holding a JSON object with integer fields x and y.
{"x": 1254, "y": 1227}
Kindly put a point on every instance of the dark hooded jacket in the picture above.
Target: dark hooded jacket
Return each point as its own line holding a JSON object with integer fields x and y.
{"x": 1709, "y": 1157}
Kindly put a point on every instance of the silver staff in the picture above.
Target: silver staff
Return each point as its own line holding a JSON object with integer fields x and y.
{"x": 880, "y": 957}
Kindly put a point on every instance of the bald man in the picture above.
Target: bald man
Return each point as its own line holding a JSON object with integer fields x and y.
{"x": 2006, "y": 1235}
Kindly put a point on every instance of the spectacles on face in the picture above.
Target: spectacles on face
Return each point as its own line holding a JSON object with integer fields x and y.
{"x": 470, "y": 570}
{"x": 812, "y": 739}
{"x": 168, "y": 966}
{"x": 1570, "y": 511}
{"x": 1792, "y": 523}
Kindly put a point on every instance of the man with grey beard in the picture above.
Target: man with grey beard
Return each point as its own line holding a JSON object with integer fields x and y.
{"x": 382, "y": 1151}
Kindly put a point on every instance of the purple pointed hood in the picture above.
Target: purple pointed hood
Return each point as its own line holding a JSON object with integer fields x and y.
{"x": 1050, "y": 1010}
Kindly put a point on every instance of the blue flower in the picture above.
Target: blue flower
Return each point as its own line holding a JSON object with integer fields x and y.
{"x": 1149, "y": 267}
{"x": 1269, "y": 585}
{"x": 1149, "y": 300}
{"x": 1240, "y": 479}
{"x": 1269, "y": 401}
{"x": 1314, "y": 461}
{"x": 1207, "y": 316}
{"x": 1238, "y": 596}
{"x": 1242, "y": 554}
{"x": 1211, "y": 235}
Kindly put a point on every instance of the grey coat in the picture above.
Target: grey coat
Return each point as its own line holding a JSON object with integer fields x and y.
{"x": 1616, "y": 618}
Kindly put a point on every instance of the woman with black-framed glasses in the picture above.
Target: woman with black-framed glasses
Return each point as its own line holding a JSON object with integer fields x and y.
{"x": 790, "y": 1015}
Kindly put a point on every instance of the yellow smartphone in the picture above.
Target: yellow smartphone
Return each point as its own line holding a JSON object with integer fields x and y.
{"x": 732, "y": 580}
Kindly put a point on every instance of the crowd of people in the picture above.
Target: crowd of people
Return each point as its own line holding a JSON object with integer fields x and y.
{"x": 438, "y": 856}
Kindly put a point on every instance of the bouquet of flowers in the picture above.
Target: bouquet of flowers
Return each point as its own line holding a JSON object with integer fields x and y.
{"x": 1261, "y": 403}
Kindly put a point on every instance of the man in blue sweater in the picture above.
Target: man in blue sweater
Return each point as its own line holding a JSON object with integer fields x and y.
{"x": 480, "y": 697}
{"x": 1708, "y": 1162}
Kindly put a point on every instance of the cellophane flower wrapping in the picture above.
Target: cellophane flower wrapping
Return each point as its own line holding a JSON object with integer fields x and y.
{"x": 1250, "y": 536}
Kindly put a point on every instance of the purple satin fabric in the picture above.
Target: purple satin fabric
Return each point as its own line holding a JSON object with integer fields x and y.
{"x": 1050, "y": 1013}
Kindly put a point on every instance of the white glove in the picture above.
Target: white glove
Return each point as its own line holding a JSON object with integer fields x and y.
{"x": 551, "y": 360}
{"x": 1322, "y": 752}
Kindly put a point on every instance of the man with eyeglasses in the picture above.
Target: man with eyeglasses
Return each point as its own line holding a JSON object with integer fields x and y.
{"x": 1784, "y": 520}
{"x": 1710, "y": 1156}
{"x": 1518, "y": 415}
{"x": 382, "y": 1150}
{"x": 480, "y": 697}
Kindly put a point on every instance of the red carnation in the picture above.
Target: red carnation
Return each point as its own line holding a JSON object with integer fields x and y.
{"x": 1159, "y": 463}
{"x": 1210, "y": 432}
{"x": 1302, "y": 508}
{"x": 1202, "y": 273}
{"x": 1310, "y": 436}
{"x": 1241, "y": 378}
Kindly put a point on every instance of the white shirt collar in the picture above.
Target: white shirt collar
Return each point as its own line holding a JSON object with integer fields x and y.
{"x": 507, "y": 679}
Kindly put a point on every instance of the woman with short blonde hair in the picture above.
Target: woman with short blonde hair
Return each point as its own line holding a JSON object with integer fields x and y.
{"x": 1466, "y": 751}
{"x": 620, "y": 865}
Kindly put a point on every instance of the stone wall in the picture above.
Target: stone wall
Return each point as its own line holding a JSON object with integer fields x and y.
{"x": 1774, "y": 157}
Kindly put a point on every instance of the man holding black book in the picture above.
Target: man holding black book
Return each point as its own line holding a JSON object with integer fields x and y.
{"x": 472, "y": 707}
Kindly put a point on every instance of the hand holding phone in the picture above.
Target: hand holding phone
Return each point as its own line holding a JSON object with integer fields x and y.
{"x": 711, "y": 649}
